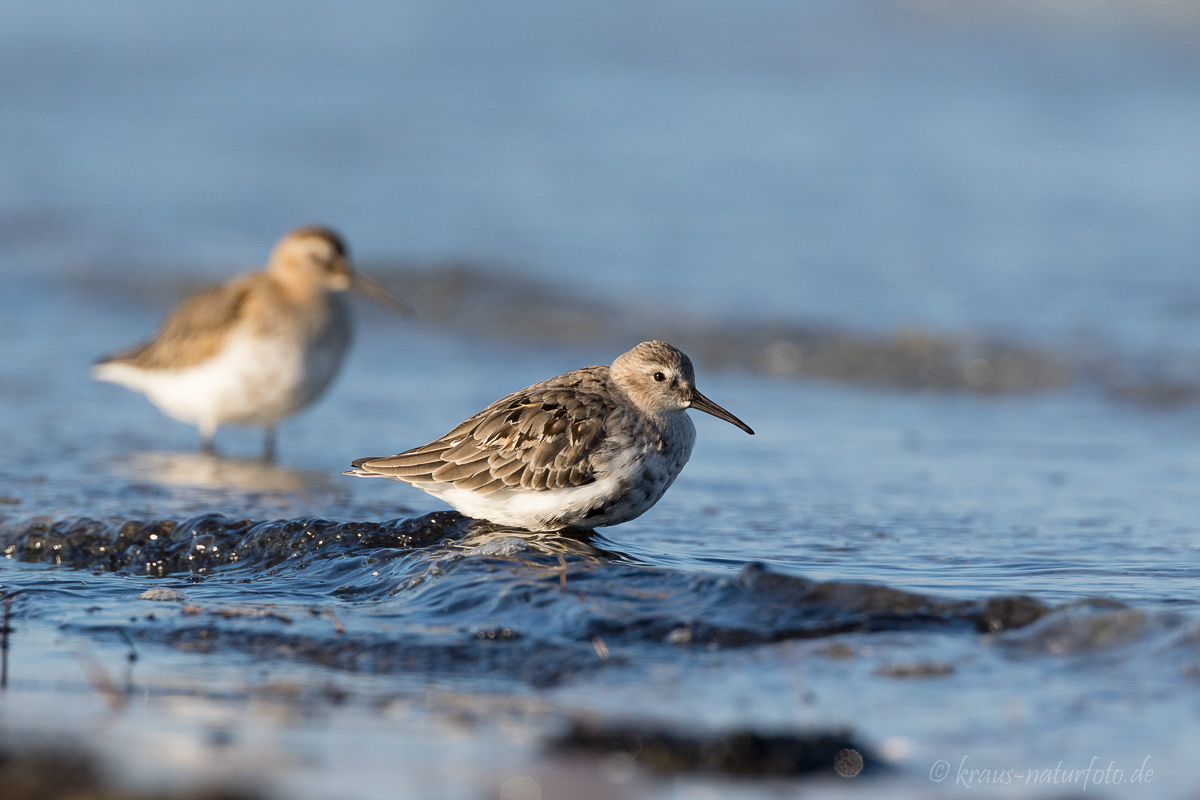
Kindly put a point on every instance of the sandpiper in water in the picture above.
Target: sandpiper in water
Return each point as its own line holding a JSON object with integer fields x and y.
{"x": 594, "y": 447}
{"x": 257, "y": 349}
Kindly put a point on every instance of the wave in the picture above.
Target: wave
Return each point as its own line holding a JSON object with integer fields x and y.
{"x": 448, "y": 595}
{"x": 471, "y": 299}
{"x": 479, "y": 301}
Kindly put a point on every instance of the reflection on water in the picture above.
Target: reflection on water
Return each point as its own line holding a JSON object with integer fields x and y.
{"x": 483, "y": 538}
{"x": 212, "y": 471}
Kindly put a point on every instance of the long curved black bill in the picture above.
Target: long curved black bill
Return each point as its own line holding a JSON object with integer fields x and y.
{"x": 376, "y": 291}
{"x": 702, "y": 403}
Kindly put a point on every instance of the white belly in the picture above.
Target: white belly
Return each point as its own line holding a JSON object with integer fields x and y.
{"x": 253, "y": 380}
{"x": 635, "y": 480}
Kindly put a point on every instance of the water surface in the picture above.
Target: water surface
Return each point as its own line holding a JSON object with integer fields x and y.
{"x": 940, "y": 259}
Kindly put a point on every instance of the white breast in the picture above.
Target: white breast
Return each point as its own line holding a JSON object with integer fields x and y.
{"x": 631, "y": 484}
{"x": 257, "y": 378}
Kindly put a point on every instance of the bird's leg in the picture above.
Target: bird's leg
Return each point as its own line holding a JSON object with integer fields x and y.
{"x": 269, "y": 443}
{"x": 208, "y": 438}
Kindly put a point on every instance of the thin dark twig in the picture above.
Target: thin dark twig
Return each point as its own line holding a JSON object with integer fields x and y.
{"x": 133, "y": 656}
{"x": 337, "y": 623}
{"x": 5, "y": 630}
{"x": 99, "y": 679}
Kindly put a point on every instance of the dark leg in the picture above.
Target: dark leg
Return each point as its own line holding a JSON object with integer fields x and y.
{"x": 208, "y": 443}
{"x": 269, "y": 443}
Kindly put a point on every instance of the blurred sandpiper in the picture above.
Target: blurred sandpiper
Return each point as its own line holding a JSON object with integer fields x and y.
{"x": 257, "y": 349}
{"x": 593, "y": 447}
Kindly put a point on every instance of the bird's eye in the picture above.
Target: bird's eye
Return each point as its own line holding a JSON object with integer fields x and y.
{"x": 659, "y": 377}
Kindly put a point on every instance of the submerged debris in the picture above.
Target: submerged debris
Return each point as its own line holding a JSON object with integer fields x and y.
{"x": 806, "y": 609}
{"x": 916, "y": 669}
{"x": 1084, "y": 627}
{"x": 163, "y": 594}
{"x": 741, "y": 753}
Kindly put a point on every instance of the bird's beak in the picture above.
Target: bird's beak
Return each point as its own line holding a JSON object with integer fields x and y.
{"x": 376, "y": 291}
{"x": 702, "y": 403}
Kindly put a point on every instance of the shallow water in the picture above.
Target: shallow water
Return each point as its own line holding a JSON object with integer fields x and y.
{"x": 941, "y": 260}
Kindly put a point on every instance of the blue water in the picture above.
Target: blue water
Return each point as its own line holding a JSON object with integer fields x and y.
{"x": 872, "y": 169}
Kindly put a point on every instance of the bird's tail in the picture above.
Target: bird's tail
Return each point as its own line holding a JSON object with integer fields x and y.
{"x": 361, "y": 471}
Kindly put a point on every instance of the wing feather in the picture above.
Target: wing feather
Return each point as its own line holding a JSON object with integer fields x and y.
{"x": 193, "y": 332}
{"x": 491, "y": 427}
{"x": 419, "y": 458}
{"x": 464, "y": 452}
{"x": 552, "y": 435}
{"x": 505, "y": 470}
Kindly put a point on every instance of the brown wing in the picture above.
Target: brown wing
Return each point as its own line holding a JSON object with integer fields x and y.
{"x": 193, "y": 332}
{"x": 547, "y": 436}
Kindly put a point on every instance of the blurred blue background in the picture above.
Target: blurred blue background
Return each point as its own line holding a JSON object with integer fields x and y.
{"x": 1023, "y": 169}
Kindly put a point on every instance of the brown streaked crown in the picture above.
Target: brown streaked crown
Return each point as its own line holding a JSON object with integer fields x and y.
{"x": 657, "y": 377}
{"x": 311, "y": 259}
{"x": 331, "y": 236}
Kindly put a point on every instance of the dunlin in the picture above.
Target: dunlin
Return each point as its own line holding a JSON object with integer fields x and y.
{"x": 594, "y": 447}
{"x": 257, "y": 349}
